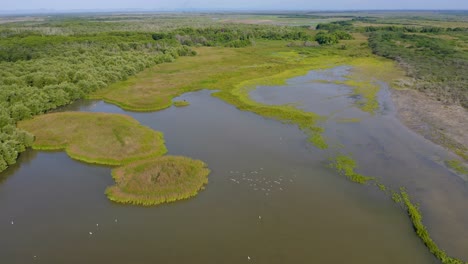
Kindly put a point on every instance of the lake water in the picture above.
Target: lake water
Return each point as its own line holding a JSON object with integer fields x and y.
{"x": 270, "y": 199}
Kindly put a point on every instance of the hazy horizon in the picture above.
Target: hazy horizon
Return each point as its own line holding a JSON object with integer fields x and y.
{"x": 297, "y": 5}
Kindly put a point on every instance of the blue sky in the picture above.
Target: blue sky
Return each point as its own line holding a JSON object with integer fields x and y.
{"x": 235, "y": 4}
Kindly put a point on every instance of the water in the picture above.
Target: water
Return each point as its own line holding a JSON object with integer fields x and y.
{"x": 270, "y": 197}
{"x": 385, "y": 149}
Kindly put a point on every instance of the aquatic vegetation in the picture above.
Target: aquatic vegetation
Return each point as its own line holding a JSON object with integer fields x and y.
{"x": 396, "y": 197}
{"x": 421, "y": 230}
{"x": 382, "y": 187}
{"x": 368, "y": 91}
{"x": 160, "y": 180}
{"x": 234, "y": 72}
{"x": 181, "y": 103}
{"x": 346, "y": 166}
{"x": 110, "y": 139}
{"x": 457, "y": 166}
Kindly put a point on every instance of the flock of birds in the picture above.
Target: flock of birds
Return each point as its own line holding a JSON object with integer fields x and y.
{"x": 257, "y": 180}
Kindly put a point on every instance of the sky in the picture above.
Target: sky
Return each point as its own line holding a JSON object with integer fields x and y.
{"x": 235, "y": 4}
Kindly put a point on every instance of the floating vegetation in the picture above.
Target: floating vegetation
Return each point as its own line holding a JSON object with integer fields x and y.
{"x": 160, "y": 180}
{"x": 367, "y": 92}
{"x": 181, "y": 103}
{"x": 346, "y": 166}
{"x": 382, "y": 187}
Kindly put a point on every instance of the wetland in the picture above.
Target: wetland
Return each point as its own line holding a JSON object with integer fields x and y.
{"x": 223, "y": 143}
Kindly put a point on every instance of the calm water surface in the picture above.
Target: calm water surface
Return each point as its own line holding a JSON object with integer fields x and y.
{"x": 270, "y": 197}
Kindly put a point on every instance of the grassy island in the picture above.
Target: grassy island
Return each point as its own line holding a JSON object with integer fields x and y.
{"x": 159, "y": 180}
{"x": 144, "y": 178}
{"x": 109, "y": 139}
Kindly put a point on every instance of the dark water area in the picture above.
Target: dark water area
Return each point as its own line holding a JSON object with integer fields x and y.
{"x": 270, "y": 196}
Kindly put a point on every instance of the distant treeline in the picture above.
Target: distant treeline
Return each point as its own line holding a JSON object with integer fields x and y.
{"x": 233, "y": 36}
{"x": 412, "y": 29}
{"x": 332, "y": 33}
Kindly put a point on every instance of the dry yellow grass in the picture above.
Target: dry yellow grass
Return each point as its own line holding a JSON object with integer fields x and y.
{"x": 101, "y": 138}
{"x": 159, "y": 180}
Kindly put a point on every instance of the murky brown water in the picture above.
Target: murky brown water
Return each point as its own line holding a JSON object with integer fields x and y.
{"x": 270, "y": 196}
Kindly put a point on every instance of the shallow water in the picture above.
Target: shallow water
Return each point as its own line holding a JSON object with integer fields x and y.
{"x": 385, "y": 149}
{"x": 270, "y": 196}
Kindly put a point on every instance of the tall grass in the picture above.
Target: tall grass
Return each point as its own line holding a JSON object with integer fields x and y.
{"x": 109, "y": 139}
{"x": 155, "y": 181}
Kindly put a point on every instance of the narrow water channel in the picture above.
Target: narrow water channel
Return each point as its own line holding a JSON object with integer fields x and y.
{"x": 270, "y": 198}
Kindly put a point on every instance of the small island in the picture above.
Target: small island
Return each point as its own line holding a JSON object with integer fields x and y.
{"x": 144, "y": 177}
{"x": 159, "y": 180}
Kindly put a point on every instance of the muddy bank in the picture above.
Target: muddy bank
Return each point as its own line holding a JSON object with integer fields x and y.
{"x": 444, "y": 125}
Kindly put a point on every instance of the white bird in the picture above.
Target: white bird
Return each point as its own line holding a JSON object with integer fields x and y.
{"x": 259, "y": 217}
{"x": 12, "y": 222}
{"x": 97, "y": 224}
{"x": 116, "y": 220}
{"x": 248, "y": 257}
{"x": 90, "y": 233}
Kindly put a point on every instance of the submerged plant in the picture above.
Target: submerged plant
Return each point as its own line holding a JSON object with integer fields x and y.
{"x": 346, "y": 166}
{"x": 181, "y": 103}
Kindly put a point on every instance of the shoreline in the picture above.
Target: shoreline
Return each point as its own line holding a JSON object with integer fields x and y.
{"x": 443, "y": 125}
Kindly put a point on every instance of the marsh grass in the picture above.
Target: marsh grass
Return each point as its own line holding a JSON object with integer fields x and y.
{"x": 234, "y": 72}
{"x": 346, "y": 166}
{"x": 416, "y": 218}
{"x": 457, "y": 166}
{"x": 109, "y": 139}
{"x": 160, "y": 180}
{"x": 181, "y": 103}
